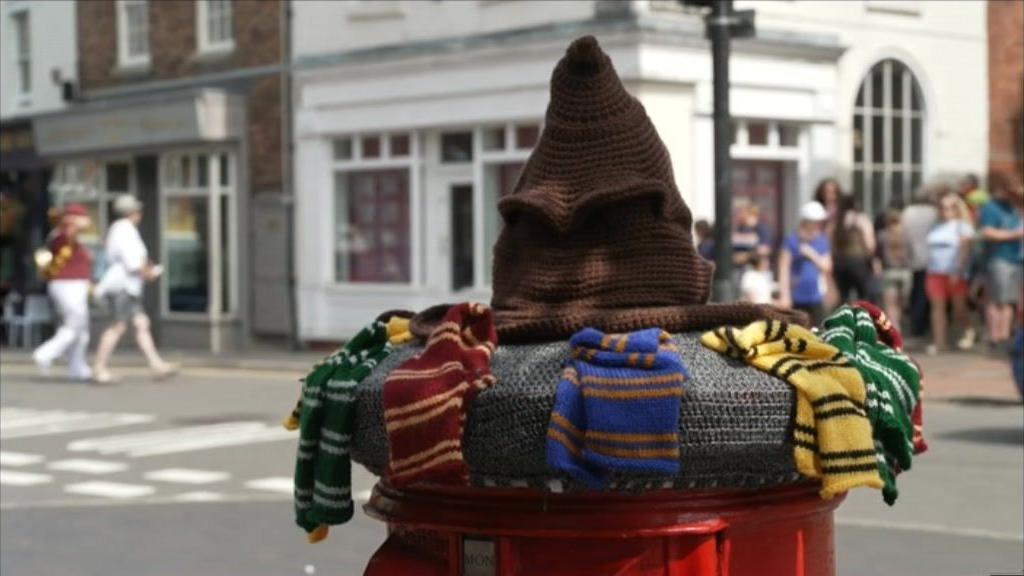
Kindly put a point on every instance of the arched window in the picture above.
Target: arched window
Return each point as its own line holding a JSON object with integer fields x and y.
{"x": 888, "y": 137}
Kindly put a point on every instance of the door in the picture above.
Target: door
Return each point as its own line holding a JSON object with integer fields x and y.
{"x": 759, "y": 183}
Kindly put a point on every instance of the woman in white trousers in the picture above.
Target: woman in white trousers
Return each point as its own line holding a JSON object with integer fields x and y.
{"x": 70, "y": 274}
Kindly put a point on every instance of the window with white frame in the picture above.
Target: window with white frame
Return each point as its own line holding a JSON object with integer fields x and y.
{"x": 372, "y": 208}
{"x": 888, "y": 137}
{"x": 215, "y": 25}
{"x": 23, "y": 50}
{"x": 198, "y": 190}
{"x": 504, "y": 151}
{"x": 133, "y": 32}
{"x": 93, "y": 184}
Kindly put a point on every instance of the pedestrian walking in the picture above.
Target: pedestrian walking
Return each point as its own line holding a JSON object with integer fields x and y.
{"x": 69, "y": 275}
{"x": 917, "y": 220}
{"x": 894, "y": 249}
{"x": 704, "y": 234}
{"x": 852, "y": 237}
{"x": 804, "y": 261}
{"x": 128, "y": 268}
{"x": 751, "y": 238}
{"x": 1002, "y": 230}
{"x": 949, "y": 249}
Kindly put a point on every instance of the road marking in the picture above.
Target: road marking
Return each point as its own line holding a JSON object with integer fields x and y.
{"x": 110, "y": 489}
{"x": 18, "y": 459}
{"x": 931, "y": 528}
{"x": 175, "y": 499}
{"x": 88, "y": 466}
{"x": 29, "y": 422}
{"x": 189, "y": 439}
{"x": 12, "y": 478}
{"x": 279, "y": 484}
{"x": 187, "y": 476}
{"x": 199, "y": 496}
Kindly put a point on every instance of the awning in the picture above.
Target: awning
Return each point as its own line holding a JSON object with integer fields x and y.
{"x": 206, "y": 115}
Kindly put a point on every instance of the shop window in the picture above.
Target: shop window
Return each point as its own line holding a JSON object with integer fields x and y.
{"x": 399, "y": 144}
{"x": 372, "y": 226}
{"x": 494, "y": 139}
{"x": 118, "y": 177}
{"x": 187, "y": 240}
{"x": 462, "y": 236}
{"x": 757, "y": 133}
{"x": 789, "y": 135}
{"x": 526, "y": 137}
{"x": 198, "y": 216}
{"x": 499, "y": 181}
{"x": 888, "y": 126}
{"x": 371, "y": 146}
{"x": 343, "y": 149}
{"x": 456, "y": 147}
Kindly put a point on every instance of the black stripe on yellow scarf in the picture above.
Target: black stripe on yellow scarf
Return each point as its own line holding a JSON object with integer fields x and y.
{"x": 831, "y": 434}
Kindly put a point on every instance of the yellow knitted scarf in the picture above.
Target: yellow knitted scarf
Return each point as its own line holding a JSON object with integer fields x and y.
{"x": 831, "y": 435}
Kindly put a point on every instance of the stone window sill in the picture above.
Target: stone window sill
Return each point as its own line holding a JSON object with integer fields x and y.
{"x": 132, "y": 70}
{"x": 374, "y": 11}
{"x": 218, "y": 54}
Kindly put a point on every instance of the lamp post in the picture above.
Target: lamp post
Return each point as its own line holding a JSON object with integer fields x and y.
{"x": 721, "y": 24}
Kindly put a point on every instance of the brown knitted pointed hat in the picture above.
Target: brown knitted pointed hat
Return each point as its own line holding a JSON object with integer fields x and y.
{"x": 596, "y": 233}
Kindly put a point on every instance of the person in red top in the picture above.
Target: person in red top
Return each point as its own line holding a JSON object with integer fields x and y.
{"x": 69, "y": 274}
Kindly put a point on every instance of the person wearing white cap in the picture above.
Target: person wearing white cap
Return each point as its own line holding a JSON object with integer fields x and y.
{"x": 804, "y": 260}
{"x": 128, "y": 268}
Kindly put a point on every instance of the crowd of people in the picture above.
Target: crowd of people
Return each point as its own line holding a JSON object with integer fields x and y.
{"x": 67, "y": 265}
{"x": 947, "y": 268}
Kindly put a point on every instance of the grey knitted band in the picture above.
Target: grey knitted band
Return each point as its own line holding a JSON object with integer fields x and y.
{"x": 734, "y": 422}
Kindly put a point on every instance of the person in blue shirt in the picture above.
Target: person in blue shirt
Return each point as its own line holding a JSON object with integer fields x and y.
{"x": 1002, "y": 230}
{"x": 803, "y": 261}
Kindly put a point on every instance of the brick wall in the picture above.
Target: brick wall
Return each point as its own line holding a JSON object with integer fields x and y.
{"x": 173, "y": 54}
{"x": 1006, "y": 86}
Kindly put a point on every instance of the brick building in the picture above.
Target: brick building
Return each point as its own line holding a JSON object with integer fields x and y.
{"x": 1006, "y": 86}
{"x": 180, "y": 104}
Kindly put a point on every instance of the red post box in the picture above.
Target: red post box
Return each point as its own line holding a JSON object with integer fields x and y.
{"x": 448, "y": 531}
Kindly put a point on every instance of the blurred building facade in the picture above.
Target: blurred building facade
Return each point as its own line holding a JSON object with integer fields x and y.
{"x": 1006, "y": 87}
{"x": 412, "y": 120}
{"x": 37, "y": 65}
{"x": 179, "y": 104}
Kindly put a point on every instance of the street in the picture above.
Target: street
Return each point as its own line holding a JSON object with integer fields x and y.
{"x": 193, "y": 476}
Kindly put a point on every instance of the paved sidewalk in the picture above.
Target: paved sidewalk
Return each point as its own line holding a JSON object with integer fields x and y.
{"x": 967, "y": 376}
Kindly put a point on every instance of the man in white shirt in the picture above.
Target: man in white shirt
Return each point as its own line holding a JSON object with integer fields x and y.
{"x": 128, "y": 268}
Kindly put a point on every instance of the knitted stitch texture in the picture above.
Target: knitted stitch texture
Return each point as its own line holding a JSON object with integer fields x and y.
{"x": 891, "y": 335}
{"x": 596, "y": 232}
{"x": 617, "y": 406}
{"x": 323, "y": 473}
{"x": 734, "y": 422}
{"x": 892, "y": 388}
{"x": 426, "y": 398}
{"x": 831, "y": 433}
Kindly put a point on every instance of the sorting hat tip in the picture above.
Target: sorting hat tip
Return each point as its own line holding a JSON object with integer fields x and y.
{"x": 585, "y": 56}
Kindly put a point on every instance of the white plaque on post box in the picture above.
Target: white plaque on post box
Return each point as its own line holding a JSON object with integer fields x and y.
{"x": 478, "y": 557}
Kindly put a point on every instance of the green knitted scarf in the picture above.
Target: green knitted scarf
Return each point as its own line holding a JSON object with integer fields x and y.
{"x": 892, "y": 383}
{"x": 323, "y": 471}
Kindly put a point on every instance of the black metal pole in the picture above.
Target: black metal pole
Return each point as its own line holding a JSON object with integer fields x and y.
{"x": 718, "y": 27}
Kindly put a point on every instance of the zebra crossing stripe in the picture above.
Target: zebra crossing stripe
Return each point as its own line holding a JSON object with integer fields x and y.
{"x": 110, "y": 489}
{"x": 175, "y": 440}
{"x": 279, "y": 484}
{"x": 29, "y": 422}
{"x": 15, "y": 478}
{"x": 187, "y": 476}
{"x": 18, "y": 459}
{"x": 85, "y": 466}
